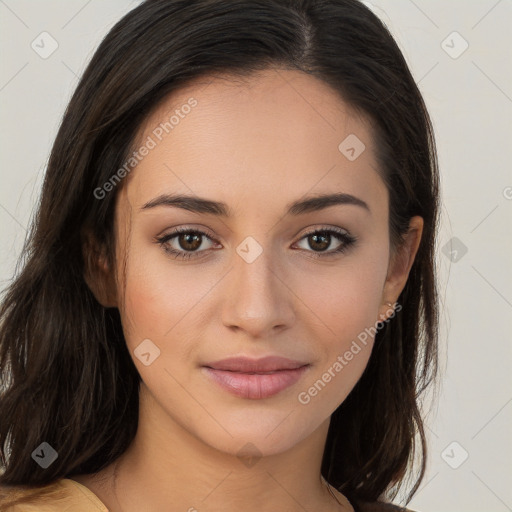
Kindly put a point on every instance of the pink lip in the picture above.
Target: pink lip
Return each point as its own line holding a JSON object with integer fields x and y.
{"x": 255, "y": 378}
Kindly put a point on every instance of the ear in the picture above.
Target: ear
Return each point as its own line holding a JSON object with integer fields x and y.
{"x": 400, "y": 266}
{"x": 98, "y": 275}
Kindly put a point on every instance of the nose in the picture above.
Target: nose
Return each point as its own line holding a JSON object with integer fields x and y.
{"x": 258, "y": 298}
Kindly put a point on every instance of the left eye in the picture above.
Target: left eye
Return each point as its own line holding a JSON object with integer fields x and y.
{"x": 321, "y": 239}
{"x": 190, "y": 241}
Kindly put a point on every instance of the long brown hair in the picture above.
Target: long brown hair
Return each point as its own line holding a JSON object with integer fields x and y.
{"x": 66, "y": 375}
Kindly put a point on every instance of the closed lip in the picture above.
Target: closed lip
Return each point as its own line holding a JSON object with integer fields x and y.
{"x": 262, "y": 365}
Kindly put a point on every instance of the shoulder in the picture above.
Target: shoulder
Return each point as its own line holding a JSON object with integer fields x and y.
{"x": 63, "y": 495}
{"x": 379, "y": 506}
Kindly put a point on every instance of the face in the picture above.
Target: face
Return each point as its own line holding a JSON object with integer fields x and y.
{"x": 289, "y": 291}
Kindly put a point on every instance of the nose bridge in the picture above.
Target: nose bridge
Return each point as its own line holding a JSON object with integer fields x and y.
{"x": 258, "y": 300}
{"x": 253, "y": 264}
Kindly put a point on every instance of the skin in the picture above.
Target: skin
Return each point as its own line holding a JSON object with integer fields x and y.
{"x": 256, "y": 144}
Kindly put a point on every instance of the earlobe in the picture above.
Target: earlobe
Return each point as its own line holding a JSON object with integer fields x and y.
{"x": 98, "y": 275}
{"x": 401, "y": 262}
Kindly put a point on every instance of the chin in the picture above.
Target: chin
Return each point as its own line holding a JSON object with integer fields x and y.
{"x": 259, "y": 432}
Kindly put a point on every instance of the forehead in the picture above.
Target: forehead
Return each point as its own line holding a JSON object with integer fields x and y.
{"x": 244, "y": 139}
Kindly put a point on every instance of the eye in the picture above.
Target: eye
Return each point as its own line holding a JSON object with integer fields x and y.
{"x": 188, "y": 241}
{"x": 320, "y": 240}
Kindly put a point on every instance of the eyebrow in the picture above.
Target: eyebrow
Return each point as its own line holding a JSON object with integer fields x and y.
{"x": 201, "y": 205}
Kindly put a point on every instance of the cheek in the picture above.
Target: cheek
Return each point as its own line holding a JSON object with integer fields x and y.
{"x": 156, "y": 298}
{"x": 345, "y": 298}
{"x": 164, "y": 301}
{"x": 344, "y": 312}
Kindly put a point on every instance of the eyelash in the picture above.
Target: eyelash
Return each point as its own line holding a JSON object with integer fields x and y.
{"x": 341, "y": 235}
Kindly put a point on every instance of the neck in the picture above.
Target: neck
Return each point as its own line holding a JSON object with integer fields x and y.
{"x": 166, "y": 464}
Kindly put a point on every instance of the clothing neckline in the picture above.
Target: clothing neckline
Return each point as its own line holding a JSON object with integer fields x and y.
{"x": 88, "y": 494}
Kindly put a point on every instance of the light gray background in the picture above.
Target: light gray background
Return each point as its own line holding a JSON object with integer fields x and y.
{"x": 469, "y": 96}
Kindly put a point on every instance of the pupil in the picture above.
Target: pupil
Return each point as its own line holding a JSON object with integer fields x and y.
{"x": 188, "y": 238}
{"x": 325, "y": 237}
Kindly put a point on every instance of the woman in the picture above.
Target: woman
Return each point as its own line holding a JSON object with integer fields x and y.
{"x": 228, "y": 296}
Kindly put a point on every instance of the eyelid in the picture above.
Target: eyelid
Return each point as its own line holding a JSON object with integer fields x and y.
{"x": 316, "y": 229}
{"x": 186, "y": 229}
{"x": 175, "y": 232}
{"x": 210, "y": 234}
{"x": 346, "y": 238}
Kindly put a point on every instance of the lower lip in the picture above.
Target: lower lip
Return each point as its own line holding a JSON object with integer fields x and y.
{"x": 255, "y": 386}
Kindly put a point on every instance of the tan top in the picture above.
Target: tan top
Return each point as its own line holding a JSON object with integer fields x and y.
{"x": 64, "y": 495}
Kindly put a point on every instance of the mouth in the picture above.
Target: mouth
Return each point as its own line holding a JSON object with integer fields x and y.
{"x": 255, "y": 379}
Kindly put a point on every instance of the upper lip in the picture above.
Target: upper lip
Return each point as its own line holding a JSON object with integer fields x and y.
{"x": 264, "y": 364}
